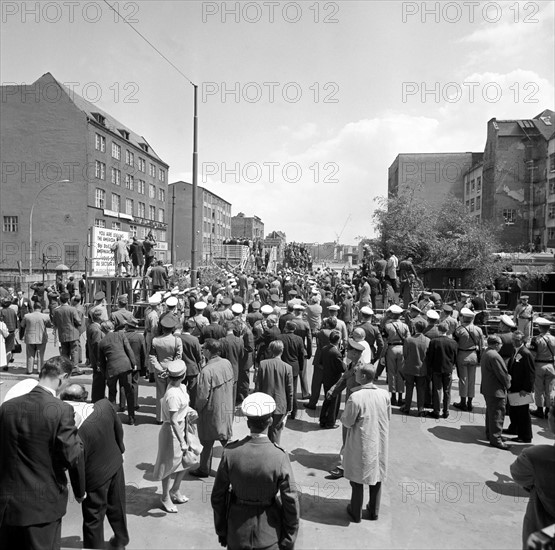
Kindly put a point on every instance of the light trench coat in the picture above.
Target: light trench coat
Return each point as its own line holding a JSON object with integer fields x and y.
{"x": 366, "y": 417}
{"x": 3, "y": 335}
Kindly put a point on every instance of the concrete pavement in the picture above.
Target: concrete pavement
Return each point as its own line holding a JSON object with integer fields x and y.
{"x": 446, "y": 487}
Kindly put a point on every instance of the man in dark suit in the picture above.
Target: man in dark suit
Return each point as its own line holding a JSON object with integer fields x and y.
{"x": 332, "y": 369}
{"x": 117, "y": 362}
{"x": 441, "y": 358}
{"x": 303, "y": 330}
{"x": 192, "y": 356}
{"x": 232, "y": 350}
{"x": 372, "y": 332}
{"x": 102, "y": 436}
{"x": 38, "y": 443}
{"x": 137, "y": 342}
{"x": 67, "y": 321}
{"x": 293, "y": 354}
{"x": 94, "y": 336}
{"x": 214, "y": 330}
{"x": 495, "y": 381}
{"x": 522, "y": 371}
{"x": 23, "y": 307}
{"x": 275, "y": 378}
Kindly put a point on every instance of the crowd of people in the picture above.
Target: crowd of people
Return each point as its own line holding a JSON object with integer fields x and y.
{"x": 242, "y": 346}
{"x": 297, "y": 256}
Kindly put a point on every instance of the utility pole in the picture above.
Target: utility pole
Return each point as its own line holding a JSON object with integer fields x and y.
{"x": 195, "y": 190}
{"x": 173, "y": 226}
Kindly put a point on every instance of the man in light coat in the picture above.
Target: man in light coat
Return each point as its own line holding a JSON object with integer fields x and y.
{"x": 366, "y": 417}
{"x": 36, "y": 336}
{"x": 215, "y": 404}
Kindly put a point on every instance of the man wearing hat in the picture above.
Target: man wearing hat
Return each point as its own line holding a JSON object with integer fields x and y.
{"x": 395, "y": 332}
{"x": 543, "y": 349}
{"x": 100, "y": 304}
{"x": 265, "y": 331}
{"x": 254, "y": 313}
{"x": 470, "y": 340}
{"x": 122, "y": 314}
{"x": 303, "y": 330}
{"x": 67, "y": 321}
{"x": 250, "y": 516}
{"x": 341, "y": 326}
{"x": 431, "y": 331}
{"x": 505, "y": 333}
{"x": 200, "y": 319}
{"x": 225, "y": 313}
{"x": 446, "y": 316}
{"x": 233, "y": 349}
{"x": 171, "y": 309}
{"x": 137, "y": 343}
{"x": 523, "y": 315}
{"x": 372, "y": 334}
{"x": 425, "y": 302}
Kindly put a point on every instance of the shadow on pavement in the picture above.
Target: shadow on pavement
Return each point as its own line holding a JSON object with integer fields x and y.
{"x": 460, "y": 434}
{"x": 316, "y": 461}
{"x": 304, "y": 426}
{"x": 316, "y": 508}
{"x": 141, "y": 500}
{"x": 504, "y": 485}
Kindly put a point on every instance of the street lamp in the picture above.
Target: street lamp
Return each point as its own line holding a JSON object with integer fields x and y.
{"x": 31, "y": 221}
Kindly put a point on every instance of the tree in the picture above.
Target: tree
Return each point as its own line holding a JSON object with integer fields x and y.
{"x": 438, "y": 237}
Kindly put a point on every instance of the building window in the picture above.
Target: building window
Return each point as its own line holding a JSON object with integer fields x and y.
{"x": 479, "y": 184}
{"x": 162, "y": 194}
{"x": 129, "y": 158}
{"x": 116, "y": 151}
{"x": 152, "y": 170}
{"x": 551, "y": 211}
{"x": 100, "y": 198}
{"x": 141, "y": 187}
{"x": 162, "y": 175}
{"x": 478, "y": 203}
{"x": 116, "y": 202}
{"x": 116, "y": 226}
{"x": 552, "y": 187}
{"x": 552, "y": 162}
{"x": 116, "y": 176}
{"x": 11, "y": 224}
{"x": 142, "y": 164}
{"x": 509, "y": 215}
{"x": 100, "y": 143}
{"x": 472, "y": 205}
{"x": 141, "y": 210}
{"x": 129, "y": 182}
{"x": 100, "y": 223}
{"x": 551, "y": 233}
{"x": 467, "y": 205}
{"x": 129, "y": 206}
{"x": 151, "y": 191}
{"x": 100, "y": 170}
{"x": 71, "y": 254}
{"x": 162, "y": 235}
{"x": 152, "y": 213}
{"x": 132, "y": 230}
{"x": 161, "y": 215}
{"x": 472, "y": 186}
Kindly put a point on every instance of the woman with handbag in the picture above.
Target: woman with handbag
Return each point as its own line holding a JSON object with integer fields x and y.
{"x": 173, "y": 445}
{"x": 164, "y": 348}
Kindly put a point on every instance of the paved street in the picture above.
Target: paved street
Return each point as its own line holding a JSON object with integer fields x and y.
{"x": 446, "y": 487}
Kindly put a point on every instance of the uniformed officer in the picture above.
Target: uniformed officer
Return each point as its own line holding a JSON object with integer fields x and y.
{"x": 252, "y": 472}
{"x": 543, "y": 348}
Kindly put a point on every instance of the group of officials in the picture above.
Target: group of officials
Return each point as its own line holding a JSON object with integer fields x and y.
{"x": 221, "y": 333}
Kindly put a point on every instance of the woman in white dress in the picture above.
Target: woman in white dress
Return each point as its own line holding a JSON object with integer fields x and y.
{"x": 172, "y": 441}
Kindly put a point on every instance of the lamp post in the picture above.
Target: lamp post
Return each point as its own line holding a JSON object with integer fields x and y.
{"x": 31, "y": 221}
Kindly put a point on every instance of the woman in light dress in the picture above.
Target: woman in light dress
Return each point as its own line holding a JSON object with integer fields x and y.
{"x": 172, "y": 441}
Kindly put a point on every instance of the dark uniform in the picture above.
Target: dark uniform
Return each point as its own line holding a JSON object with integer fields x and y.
{"x": 246, "y": 513}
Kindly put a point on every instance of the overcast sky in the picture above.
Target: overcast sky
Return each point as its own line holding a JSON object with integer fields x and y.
{"x": 328, "y": 93}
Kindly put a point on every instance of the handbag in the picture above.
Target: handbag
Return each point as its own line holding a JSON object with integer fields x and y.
{"x": 191, "y": 457}
{"x": 16, "y": 347}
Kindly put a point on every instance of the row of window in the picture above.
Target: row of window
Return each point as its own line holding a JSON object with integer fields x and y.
{"x": 100, "y": 202}
{"x": 130, "y": 182}
{"x": 134, "y": 231}
{"x": 100, "y": 145}
{"x": 474, "y": 185}
{"x": 474, "y": 205}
